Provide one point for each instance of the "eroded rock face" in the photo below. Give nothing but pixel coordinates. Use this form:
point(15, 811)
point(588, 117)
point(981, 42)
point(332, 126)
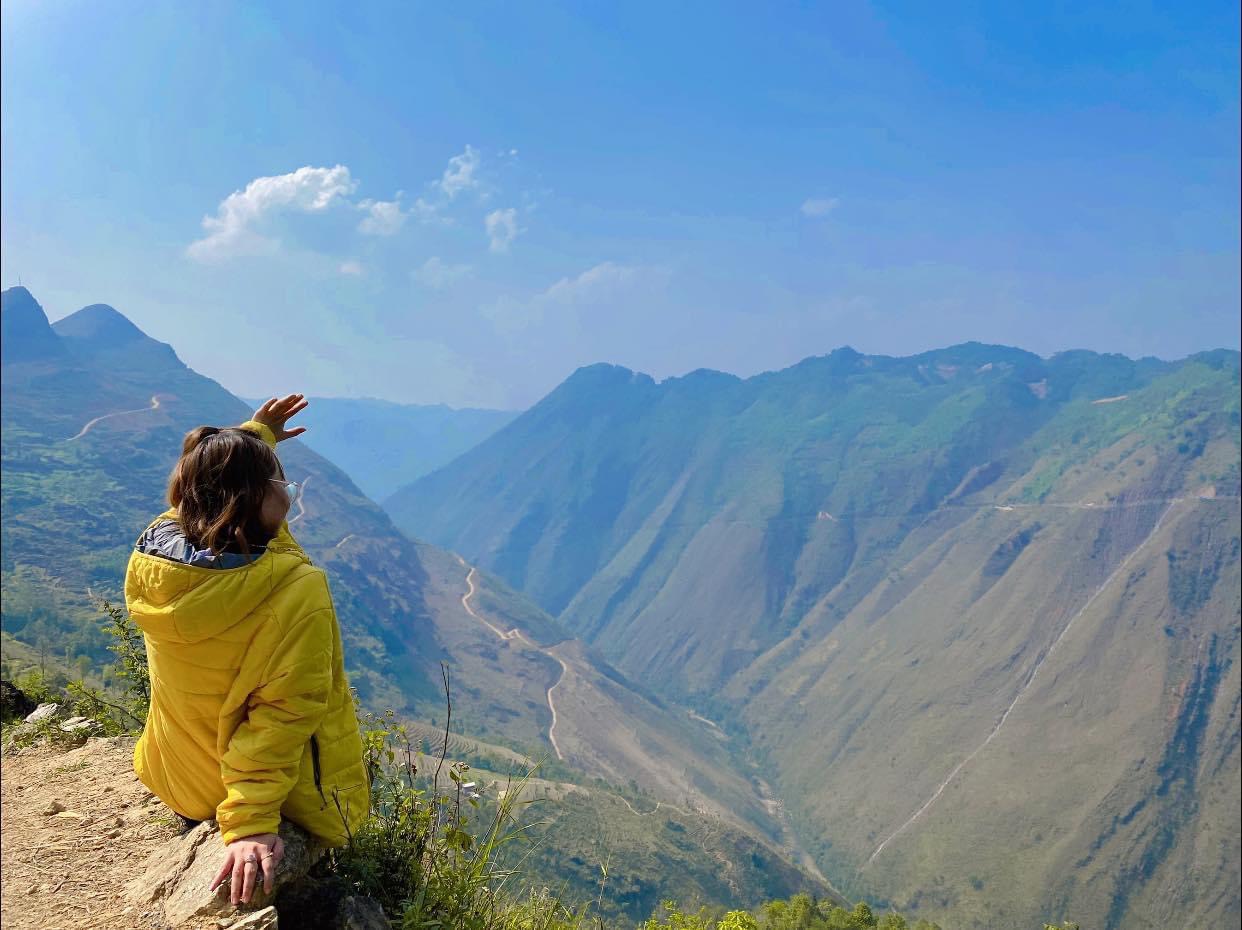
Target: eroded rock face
point(265, 919)
point(82, 726)
point(176, 876)
point(45, 712)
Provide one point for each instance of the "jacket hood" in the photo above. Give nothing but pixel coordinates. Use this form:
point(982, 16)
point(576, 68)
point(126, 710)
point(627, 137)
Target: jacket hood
point(178, 594)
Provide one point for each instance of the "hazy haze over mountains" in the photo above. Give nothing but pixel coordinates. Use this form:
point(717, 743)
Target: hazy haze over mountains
point(978, 609)
point(382, 445)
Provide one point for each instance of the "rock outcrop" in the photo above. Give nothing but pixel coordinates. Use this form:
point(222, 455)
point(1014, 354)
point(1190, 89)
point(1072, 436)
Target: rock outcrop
point(46, 717)
point(177, 874)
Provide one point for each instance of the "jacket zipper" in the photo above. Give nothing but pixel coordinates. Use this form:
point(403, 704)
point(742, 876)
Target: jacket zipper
point(314, 746)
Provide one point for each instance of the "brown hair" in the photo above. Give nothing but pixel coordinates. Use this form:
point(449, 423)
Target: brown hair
point(218, 487)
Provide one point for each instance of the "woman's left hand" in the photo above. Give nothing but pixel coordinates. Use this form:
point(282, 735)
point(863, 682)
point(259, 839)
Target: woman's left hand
point(247, 858)
point(277, 411)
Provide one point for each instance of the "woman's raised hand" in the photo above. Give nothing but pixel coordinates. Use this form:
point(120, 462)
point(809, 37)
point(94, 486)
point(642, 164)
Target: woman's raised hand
point(278, 411)
point(247, 858)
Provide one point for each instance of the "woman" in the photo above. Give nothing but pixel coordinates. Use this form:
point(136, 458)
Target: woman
point(251, 714)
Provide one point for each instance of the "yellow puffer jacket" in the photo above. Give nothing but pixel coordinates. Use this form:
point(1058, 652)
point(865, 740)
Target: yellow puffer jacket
point(251, 714)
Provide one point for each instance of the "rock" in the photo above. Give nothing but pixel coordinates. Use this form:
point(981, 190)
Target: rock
point(14, 702)
point(178, 872)
point(81, 726)
point(358, 913)
point(54, 807)
point(45, 712)
point(259, 920)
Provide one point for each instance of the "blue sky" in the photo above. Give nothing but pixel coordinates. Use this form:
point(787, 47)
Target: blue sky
point(431, 204)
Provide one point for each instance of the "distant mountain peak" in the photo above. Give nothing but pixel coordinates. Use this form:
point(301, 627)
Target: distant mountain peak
point(604, 376)
point(104, 325)
point(101, 329)
point(27, 336)
point(17, 294)
point(601, 371)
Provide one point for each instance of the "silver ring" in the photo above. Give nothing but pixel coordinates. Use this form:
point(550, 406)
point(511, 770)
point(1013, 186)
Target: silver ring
point(252, 858)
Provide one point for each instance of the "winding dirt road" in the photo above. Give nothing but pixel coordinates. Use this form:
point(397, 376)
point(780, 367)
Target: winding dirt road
point(155, 405)
point(301, 505)
point(517, 634)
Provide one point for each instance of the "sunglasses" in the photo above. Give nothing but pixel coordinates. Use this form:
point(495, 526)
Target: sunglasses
point(291, 487)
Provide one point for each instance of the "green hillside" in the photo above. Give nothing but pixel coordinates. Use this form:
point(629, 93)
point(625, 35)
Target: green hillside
point(93, 416)
point(586, 835)
point(974, 607)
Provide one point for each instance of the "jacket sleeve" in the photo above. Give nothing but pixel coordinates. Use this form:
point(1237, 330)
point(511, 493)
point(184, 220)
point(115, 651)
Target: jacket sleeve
point(260, 430)
point(264, 756)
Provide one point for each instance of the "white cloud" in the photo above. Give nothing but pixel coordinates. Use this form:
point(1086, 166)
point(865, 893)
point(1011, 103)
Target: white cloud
point(459, 175)
point(251, 221)
point(232, 231)
point(502, 228)
point(426, 212)
point(384, 217)
point(351, 267)
point(818, 208)
point(603, 278)
point(600, 288)
point(438, 274)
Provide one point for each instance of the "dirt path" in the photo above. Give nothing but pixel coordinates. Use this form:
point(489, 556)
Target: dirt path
point(69, 869)
point(300, 504)
point(155, 405)
point(659, 804)
point(552, 707)
point(1026, 686)
point(517, 634)
point(711, 725)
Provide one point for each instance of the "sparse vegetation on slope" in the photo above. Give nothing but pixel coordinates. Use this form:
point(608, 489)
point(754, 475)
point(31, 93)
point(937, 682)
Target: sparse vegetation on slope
point(966, 554)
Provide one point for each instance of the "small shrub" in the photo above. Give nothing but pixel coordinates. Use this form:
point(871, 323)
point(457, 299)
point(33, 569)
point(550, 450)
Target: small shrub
point(430, 854)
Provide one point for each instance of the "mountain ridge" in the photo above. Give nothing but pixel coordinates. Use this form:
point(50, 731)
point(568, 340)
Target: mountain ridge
point(915, 550)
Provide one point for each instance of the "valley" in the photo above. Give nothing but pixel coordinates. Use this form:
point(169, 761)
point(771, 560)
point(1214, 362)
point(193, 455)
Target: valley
point(519, 679)
point(950, 602)
point(904, 629)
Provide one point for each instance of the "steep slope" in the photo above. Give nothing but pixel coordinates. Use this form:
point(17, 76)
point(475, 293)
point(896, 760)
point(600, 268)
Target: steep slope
point(88, 439)
point(944, 595)
point(1060, 728)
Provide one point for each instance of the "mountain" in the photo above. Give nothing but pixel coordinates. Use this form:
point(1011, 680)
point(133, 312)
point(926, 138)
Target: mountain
point(383, 445)
point(26, 334)
point(92, 419)
point(977, 609)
